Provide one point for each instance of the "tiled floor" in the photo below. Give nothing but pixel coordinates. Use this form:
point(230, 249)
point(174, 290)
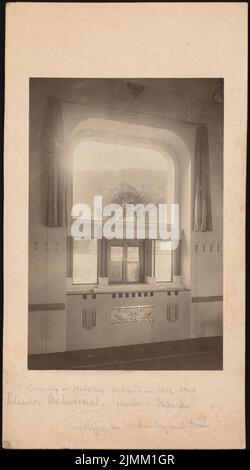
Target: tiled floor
point(192, 354)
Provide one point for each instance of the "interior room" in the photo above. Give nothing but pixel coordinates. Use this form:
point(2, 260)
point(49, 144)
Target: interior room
point(126, 303)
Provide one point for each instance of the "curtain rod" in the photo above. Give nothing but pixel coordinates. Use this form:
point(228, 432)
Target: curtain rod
point(118, 110)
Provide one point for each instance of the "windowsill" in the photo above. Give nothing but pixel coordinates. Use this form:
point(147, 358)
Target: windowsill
point(113, 288)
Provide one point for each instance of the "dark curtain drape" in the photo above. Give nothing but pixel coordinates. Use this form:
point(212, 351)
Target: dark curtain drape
point(202, 215)
point(55, 184)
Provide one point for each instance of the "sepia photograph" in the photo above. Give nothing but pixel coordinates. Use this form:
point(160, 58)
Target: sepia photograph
point(125, 223)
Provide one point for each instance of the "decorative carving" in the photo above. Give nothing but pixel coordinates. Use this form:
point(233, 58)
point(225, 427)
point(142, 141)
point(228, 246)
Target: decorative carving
point(128, 314)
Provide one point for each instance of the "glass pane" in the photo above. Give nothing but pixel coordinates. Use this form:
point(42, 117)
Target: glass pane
point(116, 253)
point(84, 262)
point(133, 253)
point(133, 272)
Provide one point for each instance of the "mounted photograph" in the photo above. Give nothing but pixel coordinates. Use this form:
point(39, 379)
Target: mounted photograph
point(125, 224)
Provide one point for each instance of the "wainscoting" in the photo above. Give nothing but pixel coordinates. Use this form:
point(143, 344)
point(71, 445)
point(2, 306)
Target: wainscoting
point(192, 354)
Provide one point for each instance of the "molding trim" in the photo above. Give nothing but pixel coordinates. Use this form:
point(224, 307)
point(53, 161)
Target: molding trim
point(211, 298)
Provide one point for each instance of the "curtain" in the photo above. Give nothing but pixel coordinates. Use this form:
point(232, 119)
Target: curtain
point(55, 183)
point(202, 215)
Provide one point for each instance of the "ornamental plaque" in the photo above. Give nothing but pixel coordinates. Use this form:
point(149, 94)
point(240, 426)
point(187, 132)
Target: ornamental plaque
point(128, 314)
